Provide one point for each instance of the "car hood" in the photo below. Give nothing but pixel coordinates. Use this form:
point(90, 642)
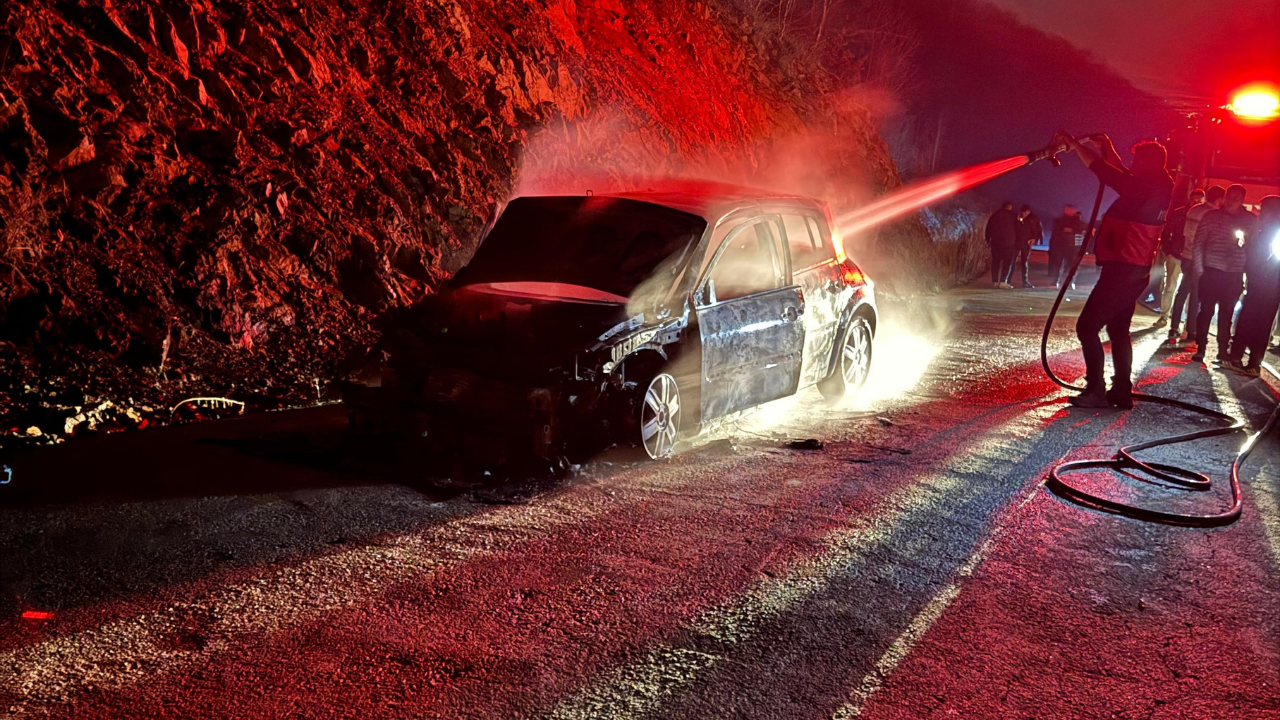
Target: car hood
point(493, 331)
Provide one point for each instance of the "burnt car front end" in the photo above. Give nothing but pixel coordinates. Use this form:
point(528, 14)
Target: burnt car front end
point(521, 355)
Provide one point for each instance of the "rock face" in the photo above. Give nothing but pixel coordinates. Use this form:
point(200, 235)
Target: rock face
point(216, 196)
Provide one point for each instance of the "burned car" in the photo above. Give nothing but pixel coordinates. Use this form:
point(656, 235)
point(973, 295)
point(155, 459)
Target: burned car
point(588, 321)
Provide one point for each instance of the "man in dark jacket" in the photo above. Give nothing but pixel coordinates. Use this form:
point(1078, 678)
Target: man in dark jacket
point(1002, 236)
point(1030, 232)
point(1219, 246)
point(1262, 300)
point(1062, 243)
point(1126, 247)
point(1172, 240)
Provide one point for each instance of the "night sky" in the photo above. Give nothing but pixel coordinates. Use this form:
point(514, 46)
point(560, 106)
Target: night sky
point(1177, 49)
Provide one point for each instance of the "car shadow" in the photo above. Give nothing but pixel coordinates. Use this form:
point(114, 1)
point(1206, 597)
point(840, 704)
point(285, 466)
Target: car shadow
point(192, 460)
point(275, 452)
point(120, 517)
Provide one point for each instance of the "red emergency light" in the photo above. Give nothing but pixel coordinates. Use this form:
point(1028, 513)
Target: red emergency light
point(1255, 103)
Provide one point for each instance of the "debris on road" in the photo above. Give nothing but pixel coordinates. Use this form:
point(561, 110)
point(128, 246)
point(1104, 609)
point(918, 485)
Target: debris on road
point(807, 444)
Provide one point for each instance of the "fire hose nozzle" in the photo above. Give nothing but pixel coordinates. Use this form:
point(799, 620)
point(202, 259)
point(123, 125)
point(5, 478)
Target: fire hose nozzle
point(1050, 152)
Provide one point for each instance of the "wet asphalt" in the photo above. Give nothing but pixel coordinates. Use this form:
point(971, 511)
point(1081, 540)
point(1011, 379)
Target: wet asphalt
point(912, 567)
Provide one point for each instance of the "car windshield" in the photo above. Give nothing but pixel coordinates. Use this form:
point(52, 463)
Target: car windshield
point(609, 244)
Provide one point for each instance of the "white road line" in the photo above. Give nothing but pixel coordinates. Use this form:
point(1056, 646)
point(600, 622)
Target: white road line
point(1267, 505)
point(932, 611)
point(641, 688)
point(920, 624)
point(131, 650)
point(140, 648)
point(938, 604)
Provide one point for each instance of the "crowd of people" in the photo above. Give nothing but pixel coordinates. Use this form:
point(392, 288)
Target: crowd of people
point(1213, 249)
point(1011, 236)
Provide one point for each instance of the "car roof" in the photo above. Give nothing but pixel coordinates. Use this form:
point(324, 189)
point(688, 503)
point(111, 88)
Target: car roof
point(711, 201)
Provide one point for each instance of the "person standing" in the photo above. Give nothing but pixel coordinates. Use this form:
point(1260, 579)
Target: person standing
point(1220, 252)
point(1172, 241)
point(1002, 236)
point(1030, 232)
point(1125, 248)
point(1262, 299)
point(1062, 243)
point(1189, 291)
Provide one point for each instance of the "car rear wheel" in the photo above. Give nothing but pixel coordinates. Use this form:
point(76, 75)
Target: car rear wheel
point(660, 416)
point(853, 364)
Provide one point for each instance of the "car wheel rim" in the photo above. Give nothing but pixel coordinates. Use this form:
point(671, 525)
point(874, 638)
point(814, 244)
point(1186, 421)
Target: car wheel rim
point(660, 416)
point(857, 356)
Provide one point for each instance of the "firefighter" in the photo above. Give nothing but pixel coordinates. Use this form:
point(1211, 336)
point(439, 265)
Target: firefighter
point(1062, 243)
point(1262, 300)
point(1189, 290)
point(1220, 254)
point(1172, 241)
point(1125, 249)
point(1030, 232)
point(1002, 236)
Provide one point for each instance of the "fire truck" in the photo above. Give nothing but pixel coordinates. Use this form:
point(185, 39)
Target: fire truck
point(1236, 143)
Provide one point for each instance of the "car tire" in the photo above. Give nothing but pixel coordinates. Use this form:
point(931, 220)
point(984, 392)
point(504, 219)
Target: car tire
point(853, 361)
point(658, 416)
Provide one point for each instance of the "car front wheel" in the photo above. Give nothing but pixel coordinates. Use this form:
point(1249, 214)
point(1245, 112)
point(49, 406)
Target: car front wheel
point(660, 416)
point(853, 364)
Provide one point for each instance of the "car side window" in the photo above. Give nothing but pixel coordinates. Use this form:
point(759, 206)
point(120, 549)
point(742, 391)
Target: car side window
point(823, 249)
point(805, 246)
point(749, 262)
point(807, 240)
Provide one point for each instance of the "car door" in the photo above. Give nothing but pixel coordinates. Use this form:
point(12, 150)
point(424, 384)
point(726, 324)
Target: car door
point(750, 320)
point(813, 269)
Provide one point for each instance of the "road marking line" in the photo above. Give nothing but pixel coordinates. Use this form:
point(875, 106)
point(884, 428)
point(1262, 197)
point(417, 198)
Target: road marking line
point(1265, 502)
point(738, 622)
point(618, 696)
point(935, 607)
point(920, 624)
point(130, 650)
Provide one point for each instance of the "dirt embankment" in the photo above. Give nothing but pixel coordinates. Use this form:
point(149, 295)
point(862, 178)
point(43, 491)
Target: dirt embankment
point(217, 196)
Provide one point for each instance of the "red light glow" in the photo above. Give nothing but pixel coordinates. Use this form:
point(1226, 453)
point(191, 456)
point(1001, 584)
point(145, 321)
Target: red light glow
point(1255, 102)
point(36, 615)
point(849, 273)
point(917, 195)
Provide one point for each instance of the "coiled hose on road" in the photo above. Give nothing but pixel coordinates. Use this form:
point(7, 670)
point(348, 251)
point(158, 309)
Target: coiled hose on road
point(1124, 460)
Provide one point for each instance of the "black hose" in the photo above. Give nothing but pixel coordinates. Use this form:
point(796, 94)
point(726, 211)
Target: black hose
point(1124, 459)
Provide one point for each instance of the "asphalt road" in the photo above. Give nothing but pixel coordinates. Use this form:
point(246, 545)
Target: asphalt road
point(913, 567)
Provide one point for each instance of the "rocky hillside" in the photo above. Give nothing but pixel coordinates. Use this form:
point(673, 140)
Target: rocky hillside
point(217, 196)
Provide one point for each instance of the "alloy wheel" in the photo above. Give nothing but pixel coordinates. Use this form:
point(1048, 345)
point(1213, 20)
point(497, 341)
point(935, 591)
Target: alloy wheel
point(660, 416)
point(855, 360)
